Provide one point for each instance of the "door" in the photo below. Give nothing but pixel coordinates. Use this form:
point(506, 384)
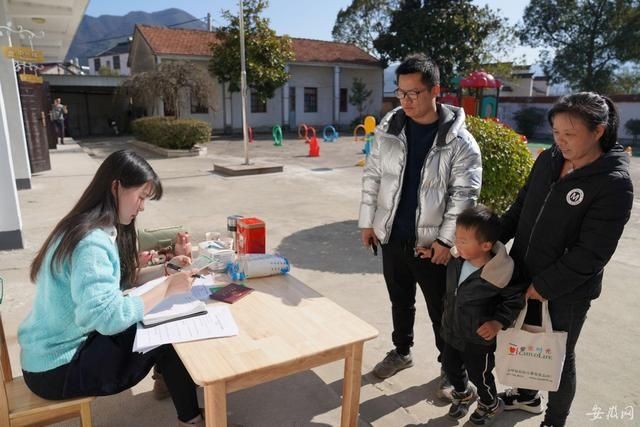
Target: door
point(34, 97)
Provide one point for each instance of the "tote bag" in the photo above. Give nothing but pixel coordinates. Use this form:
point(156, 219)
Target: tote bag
point(531, 357)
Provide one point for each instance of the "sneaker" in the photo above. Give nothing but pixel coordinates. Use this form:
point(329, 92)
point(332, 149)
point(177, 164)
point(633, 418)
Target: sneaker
point(160, 390)
point(461, 402)
point(392, 364)
point(445, 389)
point(512, 400)
point(485, 415)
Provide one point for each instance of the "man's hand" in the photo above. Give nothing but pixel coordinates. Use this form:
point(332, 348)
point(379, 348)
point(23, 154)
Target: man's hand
point(424, 253)
point(441, 254)
point(489, 329)
point(533, 294)
point(369, 237)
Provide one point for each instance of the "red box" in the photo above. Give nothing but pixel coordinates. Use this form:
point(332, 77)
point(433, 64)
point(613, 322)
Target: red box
point(251, 236)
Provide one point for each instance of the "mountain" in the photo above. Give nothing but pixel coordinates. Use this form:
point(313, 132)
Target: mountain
point(92, 33)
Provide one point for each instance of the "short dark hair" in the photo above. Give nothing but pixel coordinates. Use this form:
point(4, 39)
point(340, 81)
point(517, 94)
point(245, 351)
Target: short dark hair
point(420, 63)
point(485, 222)
point(593, 109)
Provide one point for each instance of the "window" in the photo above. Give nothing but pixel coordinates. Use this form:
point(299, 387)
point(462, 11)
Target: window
point(198, 106)
point(96, 64)
point(310, 99)
point(343, 100)
point(292, 99)
point(257, 105)
point(116, 62)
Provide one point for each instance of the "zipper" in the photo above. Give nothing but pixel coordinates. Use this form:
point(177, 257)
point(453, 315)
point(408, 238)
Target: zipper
point(396, 196)
point(426, 160)
point(544, 203)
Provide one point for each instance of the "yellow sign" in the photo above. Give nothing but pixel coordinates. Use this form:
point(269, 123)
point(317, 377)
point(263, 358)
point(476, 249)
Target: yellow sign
point(30, 78)
point(23, 54)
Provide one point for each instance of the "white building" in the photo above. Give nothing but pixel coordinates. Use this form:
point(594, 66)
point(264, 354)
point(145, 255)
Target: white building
point(115, 58)
point(18, 159)
point(316, 94)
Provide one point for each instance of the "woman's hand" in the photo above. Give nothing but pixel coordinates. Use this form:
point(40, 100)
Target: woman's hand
point(181, 261)
point(533, 294)
point(178, 283)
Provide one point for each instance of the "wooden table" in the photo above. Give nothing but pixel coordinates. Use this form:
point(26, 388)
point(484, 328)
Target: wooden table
point(285, 327)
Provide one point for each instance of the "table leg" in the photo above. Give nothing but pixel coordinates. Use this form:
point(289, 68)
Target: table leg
point(215, 404)
point(351, 385)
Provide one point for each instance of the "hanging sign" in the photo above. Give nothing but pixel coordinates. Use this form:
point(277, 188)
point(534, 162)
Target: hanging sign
point(30, 78)
point(23, 54)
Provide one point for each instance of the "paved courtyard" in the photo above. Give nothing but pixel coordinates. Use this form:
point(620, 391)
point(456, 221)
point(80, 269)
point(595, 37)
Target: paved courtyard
point(311, 214)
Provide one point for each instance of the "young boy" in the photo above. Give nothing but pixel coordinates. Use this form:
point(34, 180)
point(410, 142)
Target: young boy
point(478, 303)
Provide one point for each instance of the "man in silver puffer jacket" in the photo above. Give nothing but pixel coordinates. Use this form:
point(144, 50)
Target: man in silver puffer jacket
point(424, 168)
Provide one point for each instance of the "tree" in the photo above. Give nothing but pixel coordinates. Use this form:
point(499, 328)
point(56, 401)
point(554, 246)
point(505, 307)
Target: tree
point(171, 81)
point(362, 22)
point(108, 72)
point(266, 54)
point(590, 37)
point(633, 127)
point(453, 33)
point(627, 81)
point(359, 95)
point(528, 119)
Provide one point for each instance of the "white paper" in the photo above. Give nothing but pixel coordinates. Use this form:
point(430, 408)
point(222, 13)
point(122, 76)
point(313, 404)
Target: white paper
point(218, 322)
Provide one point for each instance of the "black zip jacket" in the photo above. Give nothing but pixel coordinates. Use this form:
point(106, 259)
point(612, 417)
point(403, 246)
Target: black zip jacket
point(565, 230)
point(486, 294)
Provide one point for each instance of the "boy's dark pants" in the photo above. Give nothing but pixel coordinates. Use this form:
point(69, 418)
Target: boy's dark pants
point(402, 270)
point(479, 369)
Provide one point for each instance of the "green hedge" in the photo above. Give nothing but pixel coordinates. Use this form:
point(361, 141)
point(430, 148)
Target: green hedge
point(506, 161)
point(168, 132)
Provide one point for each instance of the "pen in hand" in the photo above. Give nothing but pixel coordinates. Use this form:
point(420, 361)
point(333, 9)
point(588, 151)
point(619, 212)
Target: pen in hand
point(178, 268)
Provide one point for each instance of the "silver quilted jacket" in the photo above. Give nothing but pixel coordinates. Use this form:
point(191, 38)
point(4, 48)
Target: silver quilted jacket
point(450, 179)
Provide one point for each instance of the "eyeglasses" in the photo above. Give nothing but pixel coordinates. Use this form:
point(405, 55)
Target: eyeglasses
point(411, 94)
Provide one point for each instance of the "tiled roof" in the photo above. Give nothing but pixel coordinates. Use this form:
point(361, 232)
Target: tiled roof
point(122, 47)
point(178, 41)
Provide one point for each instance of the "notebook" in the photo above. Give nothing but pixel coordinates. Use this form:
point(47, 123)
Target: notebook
point(231, 293)
point(172, 308)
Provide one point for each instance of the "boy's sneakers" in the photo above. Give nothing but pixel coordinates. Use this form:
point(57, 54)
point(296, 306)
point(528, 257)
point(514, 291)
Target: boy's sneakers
point(391, 364)
point(485, 415)
point(445, 389)
point(512, 400)
point(461, 402)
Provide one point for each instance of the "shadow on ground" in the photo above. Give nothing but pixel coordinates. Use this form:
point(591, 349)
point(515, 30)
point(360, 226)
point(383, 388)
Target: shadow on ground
point(334, 248)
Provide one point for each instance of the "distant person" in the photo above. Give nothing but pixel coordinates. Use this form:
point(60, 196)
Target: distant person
point(480, 301)
point(423, 170)
point(58, 112)
point(566, 223)
point(77, 340)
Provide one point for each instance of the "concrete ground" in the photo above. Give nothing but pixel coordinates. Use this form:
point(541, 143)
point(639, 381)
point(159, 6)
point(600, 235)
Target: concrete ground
point(311, 215)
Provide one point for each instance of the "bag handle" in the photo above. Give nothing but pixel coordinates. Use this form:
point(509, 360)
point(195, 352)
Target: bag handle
point(546, 317)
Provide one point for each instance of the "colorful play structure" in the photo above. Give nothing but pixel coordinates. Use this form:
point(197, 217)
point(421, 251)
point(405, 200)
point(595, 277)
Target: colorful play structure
point(309, 135)
point(332, 134)
point(276, 133)
point(477, 94)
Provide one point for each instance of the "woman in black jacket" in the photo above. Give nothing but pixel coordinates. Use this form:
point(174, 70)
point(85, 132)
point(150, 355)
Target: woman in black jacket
point(566, 223)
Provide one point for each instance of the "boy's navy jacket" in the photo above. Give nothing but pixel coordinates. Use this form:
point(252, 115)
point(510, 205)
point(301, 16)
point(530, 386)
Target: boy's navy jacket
point(485, 295)
point(566, 229)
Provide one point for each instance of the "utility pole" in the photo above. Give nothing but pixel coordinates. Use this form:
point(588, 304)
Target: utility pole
point(209, 25)
point(243, 87)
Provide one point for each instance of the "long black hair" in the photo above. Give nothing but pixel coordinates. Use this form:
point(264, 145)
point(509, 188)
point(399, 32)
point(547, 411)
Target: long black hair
point(97, 208)
point(593, 109)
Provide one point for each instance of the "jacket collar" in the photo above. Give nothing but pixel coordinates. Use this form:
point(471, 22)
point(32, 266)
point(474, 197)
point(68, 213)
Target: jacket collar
point(450, 121)
point(499, 269)
point(613, 160)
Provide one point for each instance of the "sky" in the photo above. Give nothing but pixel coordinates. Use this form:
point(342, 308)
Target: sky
point(298, 18)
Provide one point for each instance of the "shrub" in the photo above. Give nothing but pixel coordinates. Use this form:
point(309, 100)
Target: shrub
point(506, 162)
point(633, 127)
point(168, 132)
point(528, 119)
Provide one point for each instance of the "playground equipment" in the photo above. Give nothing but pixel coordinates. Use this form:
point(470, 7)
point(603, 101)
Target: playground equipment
point(276, 132)
point(369, 127)
point(333, 135)
point(314, 147)
point(474, 99)
point(355, 134)
point(303, 132)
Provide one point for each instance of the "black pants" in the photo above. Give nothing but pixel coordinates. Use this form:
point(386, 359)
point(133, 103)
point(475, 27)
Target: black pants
point(568, 317)
point(59, 125)
point(402, 270)
point(106, 365)
point(461, 366)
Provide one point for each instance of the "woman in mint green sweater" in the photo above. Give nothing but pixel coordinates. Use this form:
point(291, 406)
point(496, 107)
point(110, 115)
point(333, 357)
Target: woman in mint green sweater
point(77, 340)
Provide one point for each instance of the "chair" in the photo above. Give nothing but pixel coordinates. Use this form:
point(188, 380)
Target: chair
point(20, 407)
